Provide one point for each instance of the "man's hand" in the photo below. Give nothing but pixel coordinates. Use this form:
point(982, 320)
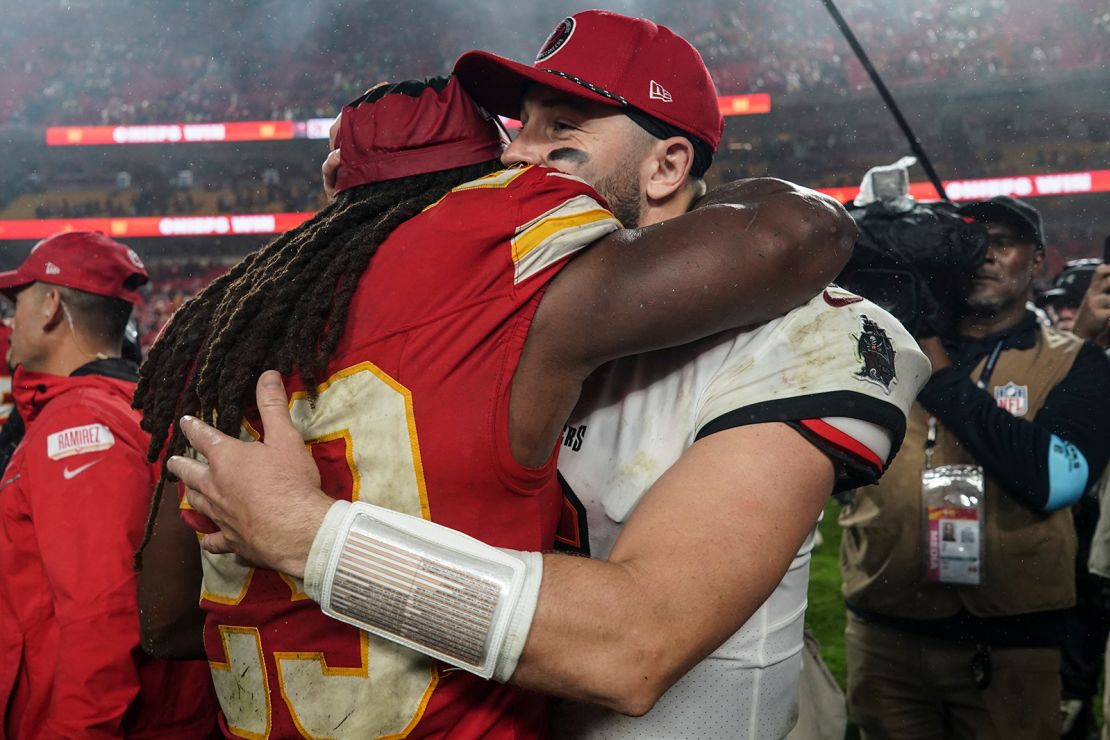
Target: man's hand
point(264, 496)
point(330, 171)
point(330, 168)
point(1093, 320)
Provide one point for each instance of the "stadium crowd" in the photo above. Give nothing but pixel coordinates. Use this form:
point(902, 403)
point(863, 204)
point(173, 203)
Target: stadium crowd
point(282, 60)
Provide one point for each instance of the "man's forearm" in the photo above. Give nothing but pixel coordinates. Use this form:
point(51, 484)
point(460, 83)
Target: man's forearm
point(826, 233)
point(618, 632)
point(171, 621)
point(596, 637)
point(596, 631)
point(694, 275)
point(1015, 451)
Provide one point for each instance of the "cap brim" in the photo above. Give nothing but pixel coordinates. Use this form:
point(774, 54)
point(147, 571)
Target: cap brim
point(998, 212)
point(11, 280)
point(1059, 297)
point(1054, 293)
point(498, 84)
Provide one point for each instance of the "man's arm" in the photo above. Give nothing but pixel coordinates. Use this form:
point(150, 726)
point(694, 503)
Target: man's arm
point(617, 633)
point(170, 618)
point(1045, 463)
point(87, 523)
point(621, 632)
point(749, 252)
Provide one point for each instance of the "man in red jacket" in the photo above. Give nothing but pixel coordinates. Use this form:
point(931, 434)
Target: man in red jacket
point(73, 501)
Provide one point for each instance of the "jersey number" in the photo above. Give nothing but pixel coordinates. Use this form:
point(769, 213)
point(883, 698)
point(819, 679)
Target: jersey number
point(370, 414)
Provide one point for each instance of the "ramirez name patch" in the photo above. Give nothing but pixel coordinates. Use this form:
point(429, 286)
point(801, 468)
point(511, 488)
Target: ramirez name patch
point(79, 440)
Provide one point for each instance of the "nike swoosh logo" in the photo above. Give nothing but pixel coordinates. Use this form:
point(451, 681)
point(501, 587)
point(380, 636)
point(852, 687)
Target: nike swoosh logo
point(71, 474)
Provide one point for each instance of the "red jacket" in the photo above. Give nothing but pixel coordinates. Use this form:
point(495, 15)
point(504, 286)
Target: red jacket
point(73, 502)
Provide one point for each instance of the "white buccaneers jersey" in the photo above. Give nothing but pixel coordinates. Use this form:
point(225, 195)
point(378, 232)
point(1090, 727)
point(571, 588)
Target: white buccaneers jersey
point(841, 371)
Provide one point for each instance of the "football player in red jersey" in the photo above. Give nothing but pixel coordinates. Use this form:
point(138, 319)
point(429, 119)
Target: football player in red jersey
point(431, 391)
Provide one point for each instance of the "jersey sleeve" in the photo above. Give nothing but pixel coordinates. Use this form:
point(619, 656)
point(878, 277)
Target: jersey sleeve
point(557, 215)
point(840, 370)
point(91, 490)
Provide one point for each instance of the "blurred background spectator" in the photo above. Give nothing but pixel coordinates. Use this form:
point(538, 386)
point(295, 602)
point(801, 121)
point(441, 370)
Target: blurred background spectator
point(212, 60)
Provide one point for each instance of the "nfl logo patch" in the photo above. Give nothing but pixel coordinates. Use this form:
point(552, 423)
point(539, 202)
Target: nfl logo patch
point(1012, 397)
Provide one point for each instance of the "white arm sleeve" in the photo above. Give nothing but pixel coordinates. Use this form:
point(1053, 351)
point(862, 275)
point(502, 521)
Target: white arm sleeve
point(422, 585)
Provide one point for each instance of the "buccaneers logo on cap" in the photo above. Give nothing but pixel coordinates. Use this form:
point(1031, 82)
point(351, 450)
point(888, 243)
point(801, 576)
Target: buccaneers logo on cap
point(877, 352)
point(131, 255)
point(558, 37)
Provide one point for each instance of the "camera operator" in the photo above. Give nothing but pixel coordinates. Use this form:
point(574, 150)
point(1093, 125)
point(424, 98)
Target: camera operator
point(958, 567)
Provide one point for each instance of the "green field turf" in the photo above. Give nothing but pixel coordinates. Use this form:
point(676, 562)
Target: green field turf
point(825, 614)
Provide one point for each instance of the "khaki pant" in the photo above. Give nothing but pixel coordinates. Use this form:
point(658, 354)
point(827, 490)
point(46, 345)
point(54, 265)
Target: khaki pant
point(906, 687)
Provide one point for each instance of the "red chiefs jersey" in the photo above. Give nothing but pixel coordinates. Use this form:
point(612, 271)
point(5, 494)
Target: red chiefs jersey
point(414, 417)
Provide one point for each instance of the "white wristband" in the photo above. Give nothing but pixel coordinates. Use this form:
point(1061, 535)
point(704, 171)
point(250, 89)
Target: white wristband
point(316, 569)
point(425, 586)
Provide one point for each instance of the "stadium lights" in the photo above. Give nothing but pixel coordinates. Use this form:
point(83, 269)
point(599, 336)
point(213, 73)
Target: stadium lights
point(1022, 186)
point(313, 128)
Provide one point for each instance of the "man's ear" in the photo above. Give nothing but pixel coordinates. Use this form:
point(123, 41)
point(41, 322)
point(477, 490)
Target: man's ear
point(1038, 260)
point(51, 311)
point(671, 162)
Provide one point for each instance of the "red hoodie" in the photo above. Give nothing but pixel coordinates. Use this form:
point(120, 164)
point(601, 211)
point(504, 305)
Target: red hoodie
point(73, 501)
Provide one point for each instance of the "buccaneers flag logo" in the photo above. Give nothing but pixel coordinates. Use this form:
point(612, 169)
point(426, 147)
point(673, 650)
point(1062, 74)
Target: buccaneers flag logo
point(877, 353)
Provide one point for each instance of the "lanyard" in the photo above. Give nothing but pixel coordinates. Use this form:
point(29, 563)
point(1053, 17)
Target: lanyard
point(983, 382)
point(988, 369)
point(930, 441)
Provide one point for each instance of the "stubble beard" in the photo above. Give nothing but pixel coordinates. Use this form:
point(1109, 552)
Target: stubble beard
point(984, 305)
point(621, 188)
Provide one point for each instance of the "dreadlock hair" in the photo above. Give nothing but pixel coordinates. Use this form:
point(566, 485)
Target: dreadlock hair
point(282, 307)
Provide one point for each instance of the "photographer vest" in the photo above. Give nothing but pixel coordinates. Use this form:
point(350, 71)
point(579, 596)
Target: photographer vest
point(1027, 557)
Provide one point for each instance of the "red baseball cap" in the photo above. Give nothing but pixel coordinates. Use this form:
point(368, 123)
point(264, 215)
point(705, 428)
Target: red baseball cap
point(411, 128)
point(82, 260)
point(608, 58)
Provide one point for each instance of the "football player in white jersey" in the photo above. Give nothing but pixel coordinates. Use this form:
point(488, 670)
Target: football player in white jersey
point(840, 372)
point(700, 471)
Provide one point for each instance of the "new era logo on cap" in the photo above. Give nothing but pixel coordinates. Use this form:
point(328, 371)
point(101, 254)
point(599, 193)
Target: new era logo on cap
point(83, 260)
point(658, 92)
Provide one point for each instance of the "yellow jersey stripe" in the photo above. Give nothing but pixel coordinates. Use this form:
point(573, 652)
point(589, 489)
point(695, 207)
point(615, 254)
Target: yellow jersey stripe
point(554, 238)
point(499, 179)
point(538, 234)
